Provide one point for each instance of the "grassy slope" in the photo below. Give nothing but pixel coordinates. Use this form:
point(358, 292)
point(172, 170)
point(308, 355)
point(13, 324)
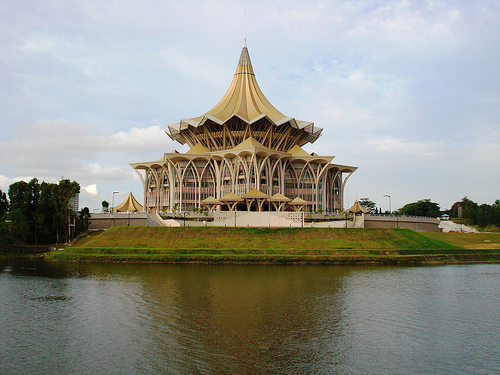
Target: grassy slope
point(469, 240)
point(265, 244)
point(166, 239)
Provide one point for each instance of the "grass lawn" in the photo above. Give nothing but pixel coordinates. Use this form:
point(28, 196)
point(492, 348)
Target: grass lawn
point(476, 241)
point(288, 239)
point(309, 245)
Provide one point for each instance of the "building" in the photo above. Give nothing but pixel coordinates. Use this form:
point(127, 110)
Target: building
point(74, 202)
point(244, 155)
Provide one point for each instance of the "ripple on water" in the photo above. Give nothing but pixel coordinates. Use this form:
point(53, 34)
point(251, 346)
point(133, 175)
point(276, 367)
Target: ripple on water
point(139, 319)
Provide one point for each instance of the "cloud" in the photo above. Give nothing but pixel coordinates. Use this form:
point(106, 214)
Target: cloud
point(140, 140)
point(395, 146)
point(91, 189)
point(61, 145)
point(5, 181)
point(407, 91)
point(55, 149)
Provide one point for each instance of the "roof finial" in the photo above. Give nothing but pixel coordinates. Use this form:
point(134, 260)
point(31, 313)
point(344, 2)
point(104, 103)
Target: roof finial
point(245, 31)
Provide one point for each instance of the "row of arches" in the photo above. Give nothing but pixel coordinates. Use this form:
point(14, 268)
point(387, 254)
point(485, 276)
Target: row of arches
point(181, 184)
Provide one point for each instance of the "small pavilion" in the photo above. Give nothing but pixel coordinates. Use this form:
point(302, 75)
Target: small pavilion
point(357, 208)
point(130, 204)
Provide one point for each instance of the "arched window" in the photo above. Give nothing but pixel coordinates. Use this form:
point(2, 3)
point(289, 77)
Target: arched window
point(151, 191)
point(227, 179)
point(189, 188)
point(207, 187)
point(240, 183)
point(291, 186)
point(252, 177)
point(307, 186)
point(165, 191)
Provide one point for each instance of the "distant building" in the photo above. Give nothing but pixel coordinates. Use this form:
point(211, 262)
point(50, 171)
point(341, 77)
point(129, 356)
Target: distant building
point(74, 203)
point(244, 155)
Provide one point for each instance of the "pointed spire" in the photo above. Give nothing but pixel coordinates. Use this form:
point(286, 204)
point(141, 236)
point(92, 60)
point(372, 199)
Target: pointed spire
point(245, 31)
point(245, 57)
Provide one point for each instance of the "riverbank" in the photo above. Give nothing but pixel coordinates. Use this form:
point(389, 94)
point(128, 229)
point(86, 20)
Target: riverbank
point(277, 246)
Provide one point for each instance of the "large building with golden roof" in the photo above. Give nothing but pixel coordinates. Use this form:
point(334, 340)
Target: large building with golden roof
point(244, 155)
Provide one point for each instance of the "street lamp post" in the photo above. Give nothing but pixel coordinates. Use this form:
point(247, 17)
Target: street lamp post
point(113, 208)
point(390, 208)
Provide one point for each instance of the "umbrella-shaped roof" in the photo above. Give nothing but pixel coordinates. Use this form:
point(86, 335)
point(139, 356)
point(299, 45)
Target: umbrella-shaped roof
point(231, 197)
point(211, 201)
point(254, 193)
point(357, 208)
point(129, 204)
point(297, 202)
point(244, 101)
point(279, 198)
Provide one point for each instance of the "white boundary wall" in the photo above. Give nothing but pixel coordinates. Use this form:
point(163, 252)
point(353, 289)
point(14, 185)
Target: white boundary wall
point(258, 219)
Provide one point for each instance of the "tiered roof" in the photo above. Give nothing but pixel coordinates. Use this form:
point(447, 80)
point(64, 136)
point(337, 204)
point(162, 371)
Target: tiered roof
point(243, 103)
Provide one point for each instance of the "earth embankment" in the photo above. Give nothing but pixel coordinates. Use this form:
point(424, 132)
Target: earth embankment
point(272, 245)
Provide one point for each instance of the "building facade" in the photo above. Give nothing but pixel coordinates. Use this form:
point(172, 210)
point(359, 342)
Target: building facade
point(244, 155)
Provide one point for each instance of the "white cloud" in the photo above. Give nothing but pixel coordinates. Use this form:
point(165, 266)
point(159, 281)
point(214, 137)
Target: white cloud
point(51, 150)
point(91, 189)
point(5, 181)
point(395, 146)
point(138, 140)
point(407, 91)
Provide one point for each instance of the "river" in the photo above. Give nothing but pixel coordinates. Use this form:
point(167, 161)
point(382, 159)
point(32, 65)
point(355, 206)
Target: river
point(78, 318)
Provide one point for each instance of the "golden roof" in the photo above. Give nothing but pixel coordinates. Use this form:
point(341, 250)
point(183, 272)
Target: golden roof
point(297, 201)
point(249, 142)
point(198, 149)
point(358, 208)
point(231, 197)
point(298, 151)
point(211, 201)
point(245, 100)
point(254, 193)
point(279, 198)
point(129, 204)
point(244, 97)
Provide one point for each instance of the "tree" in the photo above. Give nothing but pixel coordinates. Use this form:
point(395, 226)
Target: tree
point(83, 220)
point(496, 213)
point(466, 209)
point(4, 228)
point(105, 206)
point(41, 212)
point(66, 191)
point(19, 225)
point(368, 204)
point(474, 214)
point(24, 197)
point(423, 207)
point(4, 205)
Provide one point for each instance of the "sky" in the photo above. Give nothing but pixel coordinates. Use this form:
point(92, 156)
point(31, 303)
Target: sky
point(408, 91)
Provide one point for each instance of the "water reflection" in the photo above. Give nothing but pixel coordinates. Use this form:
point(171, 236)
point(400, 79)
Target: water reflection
point(178, 319)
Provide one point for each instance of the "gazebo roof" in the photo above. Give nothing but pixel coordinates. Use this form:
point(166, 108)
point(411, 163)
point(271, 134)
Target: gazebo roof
point(358, 208)
point(211, 201)
point(298, 202)
point(254, 193)
point(231, 197)
point(279, 198)
point(129, 204)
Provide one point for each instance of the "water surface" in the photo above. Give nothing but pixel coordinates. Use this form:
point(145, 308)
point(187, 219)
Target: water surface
point(75, 318)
